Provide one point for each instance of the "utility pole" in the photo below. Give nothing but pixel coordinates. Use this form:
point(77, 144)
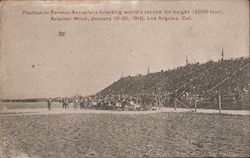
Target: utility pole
point(222, 54)
point(219, 103)
point(186, 60)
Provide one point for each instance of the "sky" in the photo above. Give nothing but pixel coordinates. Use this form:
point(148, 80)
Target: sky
point(36, 62)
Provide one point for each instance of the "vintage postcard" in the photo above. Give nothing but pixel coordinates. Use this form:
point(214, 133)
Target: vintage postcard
point(110, 78)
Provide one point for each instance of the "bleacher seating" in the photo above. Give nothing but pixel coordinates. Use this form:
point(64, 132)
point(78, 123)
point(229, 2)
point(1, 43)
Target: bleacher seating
point(224, 76)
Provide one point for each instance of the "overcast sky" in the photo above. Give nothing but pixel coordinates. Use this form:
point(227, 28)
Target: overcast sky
point(36, 62)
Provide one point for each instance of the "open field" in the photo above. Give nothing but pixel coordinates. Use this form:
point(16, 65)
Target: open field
point(42, 111)
point(26, 105)
point(208, 105)
point(10, 108)
point(113, 134)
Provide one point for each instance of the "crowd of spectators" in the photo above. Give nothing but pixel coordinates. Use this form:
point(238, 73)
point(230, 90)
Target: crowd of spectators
point(196, 82)
point(229, 78)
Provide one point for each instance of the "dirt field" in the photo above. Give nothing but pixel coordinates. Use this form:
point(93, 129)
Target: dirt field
point(41, 108)
point(27, 105)
point(110, 134)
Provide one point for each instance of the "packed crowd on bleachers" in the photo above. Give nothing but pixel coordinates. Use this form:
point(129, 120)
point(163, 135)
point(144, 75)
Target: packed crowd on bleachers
point(195, 78)
point(203, 82)
point(199, 83)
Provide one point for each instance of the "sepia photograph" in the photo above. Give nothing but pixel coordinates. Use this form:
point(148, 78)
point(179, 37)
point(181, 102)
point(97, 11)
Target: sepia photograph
point(133, 78)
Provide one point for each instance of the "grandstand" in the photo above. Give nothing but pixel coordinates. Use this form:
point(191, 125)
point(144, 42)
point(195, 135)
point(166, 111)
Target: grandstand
point(227, 78)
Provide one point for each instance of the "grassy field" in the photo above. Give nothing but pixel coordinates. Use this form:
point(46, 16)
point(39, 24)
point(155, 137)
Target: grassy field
point(27, 105)
point(95, 135)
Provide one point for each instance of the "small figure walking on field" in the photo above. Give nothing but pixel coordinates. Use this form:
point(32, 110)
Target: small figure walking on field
point(65, 103)
point(75, 104)
point(82, 104)
point(49, 104)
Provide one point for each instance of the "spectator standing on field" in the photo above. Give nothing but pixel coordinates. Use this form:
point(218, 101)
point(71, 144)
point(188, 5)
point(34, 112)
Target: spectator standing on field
point(49, 103)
